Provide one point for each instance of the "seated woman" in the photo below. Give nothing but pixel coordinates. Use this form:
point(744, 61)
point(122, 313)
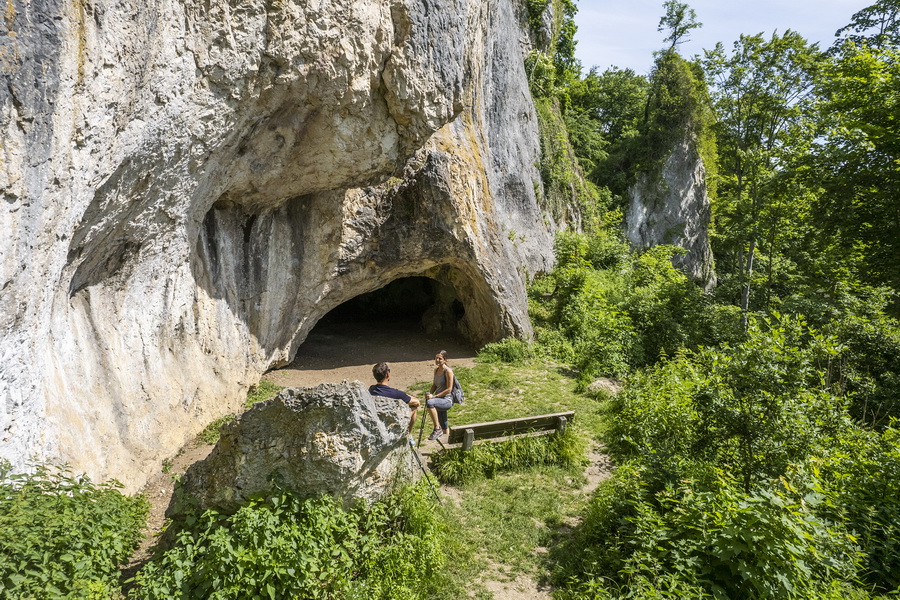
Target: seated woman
point(438, 400)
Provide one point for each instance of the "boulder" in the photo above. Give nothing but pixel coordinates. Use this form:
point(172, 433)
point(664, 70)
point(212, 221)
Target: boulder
point(335, 439)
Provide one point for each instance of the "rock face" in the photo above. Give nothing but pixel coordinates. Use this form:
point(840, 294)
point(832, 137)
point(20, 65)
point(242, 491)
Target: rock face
point(671, 207)
point(188, 187)
point(334, 439)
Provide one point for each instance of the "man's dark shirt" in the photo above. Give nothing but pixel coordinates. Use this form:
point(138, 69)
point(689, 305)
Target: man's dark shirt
point(379, 389)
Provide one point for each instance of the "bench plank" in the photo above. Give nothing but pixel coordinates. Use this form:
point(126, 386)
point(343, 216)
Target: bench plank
point(495, 429)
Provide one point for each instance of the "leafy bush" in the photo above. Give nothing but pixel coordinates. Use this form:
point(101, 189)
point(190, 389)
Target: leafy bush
point(509, 350)
point(62, 536)
point(455, 465)
point(288, 547)
point(710, 537)
point(753, 408)
point(859, 480)
point(611, 311)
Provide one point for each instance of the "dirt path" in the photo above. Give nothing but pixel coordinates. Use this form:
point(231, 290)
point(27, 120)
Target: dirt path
point(338, 351)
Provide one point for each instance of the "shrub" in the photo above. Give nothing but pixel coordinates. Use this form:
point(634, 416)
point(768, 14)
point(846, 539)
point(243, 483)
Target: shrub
point(510, 350)
point(708, 537)
point(288, 547)
point(859, 481)
point(618, 311)
point(753, 408)
point(62, 536)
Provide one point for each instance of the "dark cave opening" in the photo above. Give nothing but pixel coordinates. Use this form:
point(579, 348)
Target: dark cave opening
point(412, 302)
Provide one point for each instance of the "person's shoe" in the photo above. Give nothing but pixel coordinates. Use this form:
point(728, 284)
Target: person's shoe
point(435, 434)
point(412, 442)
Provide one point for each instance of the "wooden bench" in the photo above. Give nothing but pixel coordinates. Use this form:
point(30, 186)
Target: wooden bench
point(467, 434)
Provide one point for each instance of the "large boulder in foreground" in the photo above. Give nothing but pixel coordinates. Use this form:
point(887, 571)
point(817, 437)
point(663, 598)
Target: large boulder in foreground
point(335, 439)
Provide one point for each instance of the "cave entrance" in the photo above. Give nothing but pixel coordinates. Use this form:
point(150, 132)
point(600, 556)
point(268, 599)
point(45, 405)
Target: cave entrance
point(409, 302)
point(403, 323)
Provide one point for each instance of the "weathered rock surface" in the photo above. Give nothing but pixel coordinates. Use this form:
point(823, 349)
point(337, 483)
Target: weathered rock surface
point(188, 187)
point(334, 439)
point(672, 207)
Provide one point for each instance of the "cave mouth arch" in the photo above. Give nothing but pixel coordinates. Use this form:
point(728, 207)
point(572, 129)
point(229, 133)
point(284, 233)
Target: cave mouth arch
point(402, 323)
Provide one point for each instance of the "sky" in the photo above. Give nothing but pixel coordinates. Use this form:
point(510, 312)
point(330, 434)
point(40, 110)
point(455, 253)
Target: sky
point(623, 34)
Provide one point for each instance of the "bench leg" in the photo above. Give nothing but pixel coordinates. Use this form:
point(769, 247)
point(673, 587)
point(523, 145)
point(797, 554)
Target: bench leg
point(561, 424)
point(468, 439)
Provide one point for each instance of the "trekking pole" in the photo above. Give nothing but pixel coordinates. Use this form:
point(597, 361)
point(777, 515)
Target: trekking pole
point(425, 473)
point(422, 425)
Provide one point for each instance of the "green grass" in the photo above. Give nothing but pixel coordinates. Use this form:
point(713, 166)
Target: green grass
point(514, 517)
point(496, 391)
point(518, 512)
point(264, 390)
point(213, 431)
point(456, 466)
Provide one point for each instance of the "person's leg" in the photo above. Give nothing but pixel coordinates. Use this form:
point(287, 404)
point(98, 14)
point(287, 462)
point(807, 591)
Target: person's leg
point(432, 411)
point(412, 419)
point(439, 408)
point(434, 417)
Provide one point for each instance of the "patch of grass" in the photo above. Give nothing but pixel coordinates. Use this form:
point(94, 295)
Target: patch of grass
point(213, 431)
point(264, 390)
point(496, 391)
point(512, 516)
point(456, 466)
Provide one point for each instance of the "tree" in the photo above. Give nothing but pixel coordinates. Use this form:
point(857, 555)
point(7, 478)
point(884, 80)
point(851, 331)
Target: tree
point(875, 26)
point(759, 92)
point(857, 163)
point(679, 20)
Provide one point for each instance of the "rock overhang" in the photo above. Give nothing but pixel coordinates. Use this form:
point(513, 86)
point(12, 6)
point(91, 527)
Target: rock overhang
point(218, 179)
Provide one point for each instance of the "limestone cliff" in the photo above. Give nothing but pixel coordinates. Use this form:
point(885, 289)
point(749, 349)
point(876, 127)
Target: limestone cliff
point(672, 207)
point(188, 186)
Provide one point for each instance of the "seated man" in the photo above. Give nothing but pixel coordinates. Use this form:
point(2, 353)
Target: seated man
point(382, 374)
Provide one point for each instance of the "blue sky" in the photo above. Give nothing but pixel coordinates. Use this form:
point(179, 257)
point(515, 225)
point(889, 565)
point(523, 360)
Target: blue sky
point(612, 32)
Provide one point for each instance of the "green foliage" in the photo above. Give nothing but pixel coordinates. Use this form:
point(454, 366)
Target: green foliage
point(509, 350)
point(716, 539)
point(753, 408)
point(679, 20)
point(457, 466)
point(567, 196)
point(62, 536)
point(877, 26)
point(761, 93)
point(869, 366)
point(856, 164)
point(679, 107)
point(288, 547)
point(858, 482)
point(210, 435)
point(743, 476)
point(264, 390)
point(618, 311)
